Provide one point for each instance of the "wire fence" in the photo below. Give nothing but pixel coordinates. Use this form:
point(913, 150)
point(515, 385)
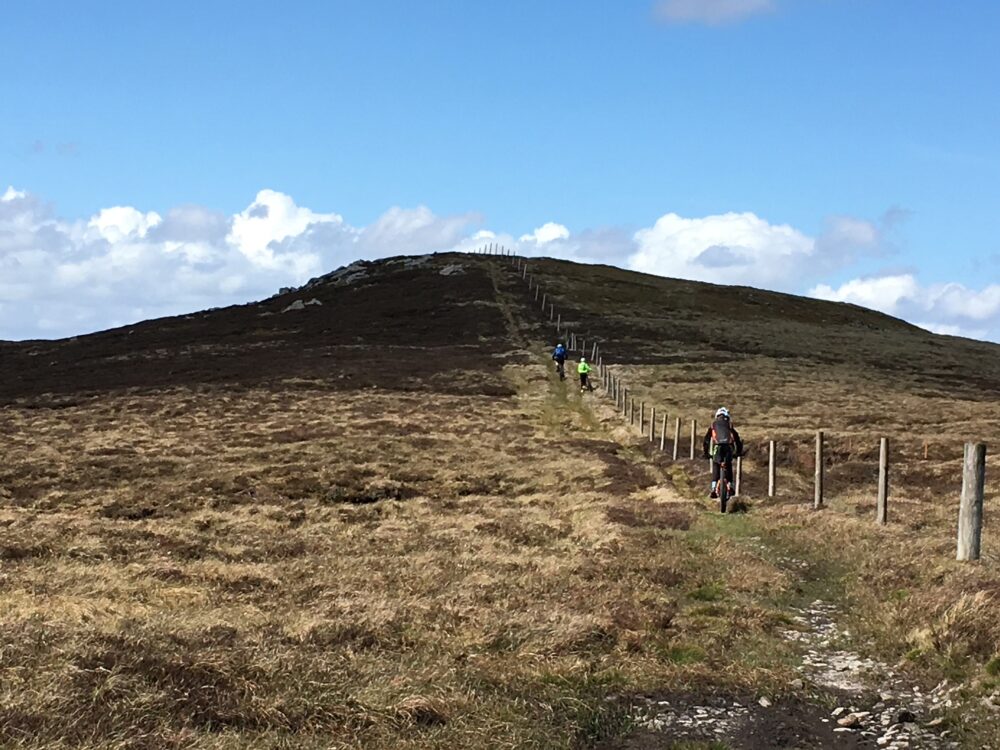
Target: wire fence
point(646, 417)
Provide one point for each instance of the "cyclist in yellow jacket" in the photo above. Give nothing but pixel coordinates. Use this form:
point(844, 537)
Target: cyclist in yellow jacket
point(583, 369)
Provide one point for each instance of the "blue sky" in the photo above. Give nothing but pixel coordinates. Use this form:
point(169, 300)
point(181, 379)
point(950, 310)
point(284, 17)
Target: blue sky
point(866, 127)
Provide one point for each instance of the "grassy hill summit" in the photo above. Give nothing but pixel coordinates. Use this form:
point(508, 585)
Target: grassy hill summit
point(366, 513)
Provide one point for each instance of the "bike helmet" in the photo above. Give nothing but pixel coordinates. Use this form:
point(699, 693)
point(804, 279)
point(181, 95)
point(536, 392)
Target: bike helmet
point(583, 359)
point(722, 412)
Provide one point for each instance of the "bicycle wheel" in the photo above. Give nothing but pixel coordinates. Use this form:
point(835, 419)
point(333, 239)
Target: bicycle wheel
point(723, 494)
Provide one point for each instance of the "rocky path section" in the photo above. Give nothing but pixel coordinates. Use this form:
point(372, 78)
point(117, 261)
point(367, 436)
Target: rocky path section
point(875, 705)
point(877, 708)
point(719, 723)
point(878, 704)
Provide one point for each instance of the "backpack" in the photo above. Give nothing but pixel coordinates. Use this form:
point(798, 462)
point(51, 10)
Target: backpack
point(722, 432)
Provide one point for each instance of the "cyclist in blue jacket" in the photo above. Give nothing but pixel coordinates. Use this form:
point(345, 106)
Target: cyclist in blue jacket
point(559, 356)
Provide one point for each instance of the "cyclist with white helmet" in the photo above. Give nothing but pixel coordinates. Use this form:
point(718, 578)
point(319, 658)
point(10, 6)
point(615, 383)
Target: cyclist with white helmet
point(723, 445)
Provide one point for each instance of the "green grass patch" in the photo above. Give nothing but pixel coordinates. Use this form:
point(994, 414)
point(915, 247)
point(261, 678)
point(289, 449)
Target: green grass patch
point(993, 667)
point(709, 592)
point(682, 654)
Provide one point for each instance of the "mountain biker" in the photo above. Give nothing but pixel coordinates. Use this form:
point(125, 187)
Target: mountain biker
point(583, 369)
point(559, 355)
point(722, 444)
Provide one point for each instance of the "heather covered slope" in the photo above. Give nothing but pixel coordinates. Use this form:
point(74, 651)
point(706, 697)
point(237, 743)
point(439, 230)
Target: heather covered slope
point(396, 323)
point(653, 320)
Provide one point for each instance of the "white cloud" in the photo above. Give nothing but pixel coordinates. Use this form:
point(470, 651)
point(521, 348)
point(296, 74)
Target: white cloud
point(884, 293)
point(271, 218)
point(942, 328)
point(733, 248)
point(60, 277)
point(712, 12)
point(122, 222)
point(546, 233)
point(403, 231)
point(959, 301)
point(745, 249)
point(954, 309)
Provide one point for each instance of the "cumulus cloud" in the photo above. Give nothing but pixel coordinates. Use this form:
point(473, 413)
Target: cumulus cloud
point(62, 277)
point(951, 308)
point(884, 293)
point(745, 249)
point(732, 248)
point(546, 233)
point(271, 218)
point(711, 12)
point(122, 222)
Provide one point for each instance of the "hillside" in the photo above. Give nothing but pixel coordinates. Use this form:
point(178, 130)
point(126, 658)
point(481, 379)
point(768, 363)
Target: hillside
point(360, 335)
point(366, 513)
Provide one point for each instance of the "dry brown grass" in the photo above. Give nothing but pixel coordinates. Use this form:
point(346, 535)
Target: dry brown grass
point(303, 568)
point(787, 367)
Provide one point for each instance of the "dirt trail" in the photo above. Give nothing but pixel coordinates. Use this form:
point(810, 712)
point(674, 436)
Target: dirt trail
point(874, 708)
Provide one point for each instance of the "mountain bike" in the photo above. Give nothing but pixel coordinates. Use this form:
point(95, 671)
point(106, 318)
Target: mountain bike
point(723, 487)
point(561, 369)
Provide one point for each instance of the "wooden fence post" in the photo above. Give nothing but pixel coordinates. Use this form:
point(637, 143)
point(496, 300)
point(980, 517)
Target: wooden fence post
point(536, 293)
point(739, 474)
point(694, 432)
point(559, 323)
point(552, 311)
point(663, 433)
point(818, 494)
point(642, 415)
point(544, 297)
point(677, 436)
point(652, 424)
point(771, 473)
point(970, 510)
point(882, 508)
